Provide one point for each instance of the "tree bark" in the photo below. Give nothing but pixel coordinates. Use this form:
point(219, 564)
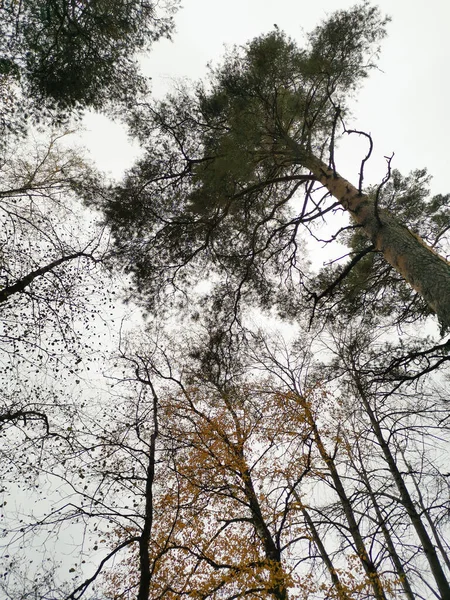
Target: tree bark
point(425, 270)
point(405, 497)
point(278, 588)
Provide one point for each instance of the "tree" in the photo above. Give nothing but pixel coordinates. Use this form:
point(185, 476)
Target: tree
point(263, 447)
point(189, 550)
point(44, 44)
point(363, 433)
point(224, 533)
point(49, 249)
point(351, 355)
point(52, 291)
point(227, 166)
point(96, 473)
point(367, 283)
point(247, 467)
point(229, 466)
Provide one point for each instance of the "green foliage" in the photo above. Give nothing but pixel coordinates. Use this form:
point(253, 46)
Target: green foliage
point(74, 55)
point(278, 87)
point(372, 286)
point(345, 45)
point(214, 192)
point(220, 464)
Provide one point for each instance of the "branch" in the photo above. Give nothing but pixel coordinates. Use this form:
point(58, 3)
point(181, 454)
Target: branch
point(338, 279)
point(83, 587)
point(337, 114)
point(24, 414)
point(21, 284)
point(364, 160)
point(383, 183)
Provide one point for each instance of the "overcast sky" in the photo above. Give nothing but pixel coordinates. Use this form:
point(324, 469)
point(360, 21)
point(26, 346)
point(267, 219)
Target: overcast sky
point(404, 105)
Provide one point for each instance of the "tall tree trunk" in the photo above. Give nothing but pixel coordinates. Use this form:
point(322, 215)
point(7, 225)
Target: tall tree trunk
point(342, 594)
point(426, 513)
point(368, 565)
point(425, 270)
point(396, 560)
point(278, 588)
point(145, 537)
point(405, 497)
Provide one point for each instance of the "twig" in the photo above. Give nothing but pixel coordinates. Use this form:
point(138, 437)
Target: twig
point(333, 133)
point(383, 183)
point(364, 160)
point(84, 586)
point(337, 281)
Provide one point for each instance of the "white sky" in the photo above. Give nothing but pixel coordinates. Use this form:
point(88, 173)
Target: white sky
point(404, 106)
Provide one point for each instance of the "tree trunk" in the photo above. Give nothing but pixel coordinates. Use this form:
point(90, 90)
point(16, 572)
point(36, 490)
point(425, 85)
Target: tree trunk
point(342, 594)
point(396, 560)
point(426, 514)
point(405, 497)
point(146, 534)
point(278, 589)
point(425, 270)
point(360, 547)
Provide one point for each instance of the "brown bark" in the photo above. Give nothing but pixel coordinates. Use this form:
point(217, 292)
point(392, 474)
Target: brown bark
point(425, 270)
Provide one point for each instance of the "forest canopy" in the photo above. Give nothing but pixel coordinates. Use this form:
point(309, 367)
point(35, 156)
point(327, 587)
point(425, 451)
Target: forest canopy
point(239, 167)
point(60, 56)
point(190, 406)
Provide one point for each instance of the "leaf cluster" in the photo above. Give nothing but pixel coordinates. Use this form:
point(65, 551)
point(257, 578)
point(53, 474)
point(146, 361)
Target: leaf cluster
point(59, 56)
point(222, 192)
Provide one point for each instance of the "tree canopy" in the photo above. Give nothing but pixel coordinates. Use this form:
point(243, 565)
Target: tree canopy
point(236, 169)
point(57, 55)
point(270, 429)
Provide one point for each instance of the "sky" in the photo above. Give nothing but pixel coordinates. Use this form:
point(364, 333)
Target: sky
point(404, 104)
